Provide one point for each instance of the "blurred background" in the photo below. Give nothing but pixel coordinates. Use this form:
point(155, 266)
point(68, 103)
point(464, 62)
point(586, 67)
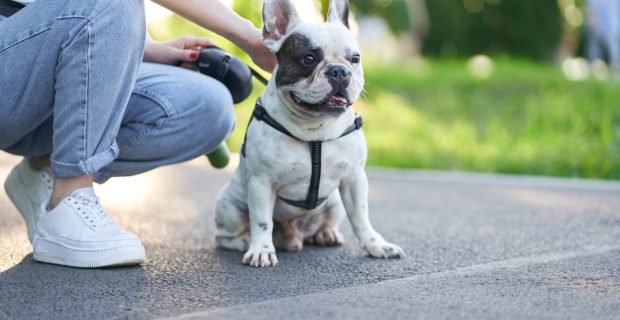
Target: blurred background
point(510, 86)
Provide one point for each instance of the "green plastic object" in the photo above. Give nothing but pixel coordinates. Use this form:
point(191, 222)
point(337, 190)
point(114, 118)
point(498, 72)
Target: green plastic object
point(219, 157)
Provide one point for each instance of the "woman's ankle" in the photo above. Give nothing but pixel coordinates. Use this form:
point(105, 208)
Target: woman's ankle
point(63, 187)
point(41, 162)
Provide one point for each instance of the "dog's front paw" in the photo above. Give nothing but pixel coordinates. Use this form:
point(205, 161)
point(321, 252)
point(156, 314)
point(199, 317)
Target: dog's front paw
point(379, 248)
point(260, 256)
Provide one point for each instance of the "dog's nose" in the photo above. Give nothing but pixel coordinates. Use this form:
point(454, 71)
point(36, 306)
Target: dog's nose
point(338, 74)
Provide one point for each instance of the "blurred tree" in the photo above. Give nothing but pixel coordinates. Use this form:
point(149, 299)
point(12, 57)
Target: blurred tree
point(395, 12)
point(400, 15)
point(525, 28)
point(408, 20)
point(251, 10)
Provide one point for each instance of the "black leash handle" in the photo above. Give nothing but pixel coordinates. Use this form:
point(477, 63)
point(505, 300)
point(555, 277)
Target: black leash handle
point(9, 8)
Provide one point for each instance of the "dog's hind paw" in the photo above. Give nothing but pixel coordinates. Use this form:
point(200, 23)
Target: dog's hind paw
point(328, 237)
point(260, 256)
point(240, 243)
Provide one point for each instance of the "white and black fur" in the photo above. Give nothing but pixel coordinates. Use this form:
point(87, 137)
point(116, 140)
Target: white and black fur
point(311, 97)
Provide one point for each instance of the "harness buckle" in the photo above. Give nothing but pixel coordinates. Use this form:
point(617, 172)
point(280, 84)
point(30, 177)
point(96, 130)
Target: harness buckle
point(358, 122)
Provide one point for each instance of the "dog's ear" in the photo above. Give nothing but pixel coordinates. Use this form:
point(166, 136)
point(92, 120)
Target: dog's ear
point(339, 11)
point(279, 18)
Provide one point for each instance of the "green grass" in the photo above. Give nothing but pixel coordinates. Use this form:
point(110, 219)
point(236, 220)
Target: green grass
point(525, 119)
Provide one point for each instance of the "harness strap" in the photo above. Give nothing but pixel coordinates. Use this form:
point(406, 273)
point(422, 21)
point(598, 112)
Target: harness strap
point(261, 115)
point(312, 198)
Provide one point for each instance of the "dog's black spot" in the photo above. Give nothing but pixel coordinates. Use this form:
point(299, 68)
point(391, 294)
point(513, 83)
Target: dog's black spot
point(263, 226)
point(290, 57)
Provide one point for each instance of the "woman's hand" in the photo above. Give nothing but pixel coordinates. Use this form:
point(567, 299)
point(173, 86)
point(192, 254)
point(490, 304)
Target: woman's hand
point(174, 51)
point(259, 52)
point(217, 17)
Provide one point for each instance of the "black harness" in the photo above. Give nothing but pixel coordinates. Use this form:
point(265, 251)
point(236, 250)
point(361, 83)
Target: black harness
point(312, 199)
point(8, 7)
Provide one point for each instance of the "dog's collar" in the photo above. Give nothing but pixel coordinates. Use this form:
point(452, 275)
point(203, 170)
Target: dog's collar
point(312, 199)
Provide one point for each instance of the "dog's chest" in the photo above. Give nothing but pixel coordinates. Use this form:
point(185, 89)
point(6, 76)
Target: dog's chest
point(288, 162)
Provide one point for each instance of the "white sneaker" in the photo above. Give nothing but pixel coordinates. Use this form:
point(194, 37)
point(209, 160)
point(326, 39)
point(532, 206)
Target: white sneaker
point(29, 190)
point(79, 233)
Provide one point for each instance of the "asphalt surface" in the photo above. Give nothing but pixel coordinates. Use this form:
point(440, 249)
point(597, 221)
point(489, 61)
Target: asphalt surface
point(478, 247)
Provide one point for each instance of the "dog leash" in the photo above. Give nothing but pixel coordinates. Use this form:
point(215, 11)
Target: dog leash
point(258, 76)
point(312, 198)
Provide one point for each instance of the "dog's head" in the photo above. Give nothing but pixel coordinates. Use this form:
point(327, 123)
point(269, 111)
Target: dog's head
point(319, 66)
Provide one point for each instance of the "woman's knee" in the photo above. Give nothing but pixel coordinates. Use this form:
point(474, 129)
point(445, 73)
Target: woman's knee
point(127, 10)
point(190, 109)
point(122, 22)
point(213, 117)
point(129, 15)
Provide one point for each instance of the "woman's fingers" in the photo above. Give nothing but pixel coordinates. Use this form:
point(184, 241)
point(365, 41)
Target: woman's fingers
point(264, 58)
point(260, 54)
point(188, 55)
point(185, 49)
point(195, 42)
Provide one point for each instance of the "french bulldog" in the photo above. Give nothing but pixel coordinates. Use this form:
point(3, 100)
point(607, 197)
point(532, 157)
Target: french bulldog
point(318, 78)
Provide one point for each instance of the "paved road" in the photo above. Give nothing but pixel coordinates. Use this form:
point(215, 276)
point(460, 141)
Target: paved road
point(479, 247)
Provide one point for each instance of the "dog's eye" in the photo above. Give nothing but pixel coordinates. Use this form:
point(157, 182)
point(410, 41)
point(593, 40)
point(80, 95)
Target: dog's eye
point(309, 60)
point(355, 58)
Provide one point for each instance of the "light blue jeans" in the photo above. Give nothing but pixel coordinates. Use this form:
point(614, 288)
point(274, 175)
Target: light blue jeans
point(73, 85)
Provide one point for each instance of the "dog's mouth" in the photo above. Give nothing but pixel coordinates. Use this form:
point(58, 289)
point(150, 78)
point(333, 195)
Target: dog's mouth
point(332, 103)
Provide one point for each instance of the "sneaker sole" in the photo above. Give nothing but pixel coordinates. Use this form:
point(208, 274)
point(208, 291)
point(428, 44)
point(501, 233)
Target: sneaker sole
point(54, 253)
point(20, 200)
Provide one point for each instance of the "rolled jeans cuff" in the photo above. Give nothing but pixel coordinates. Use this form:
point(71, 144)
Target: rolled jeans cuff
point(85, 167)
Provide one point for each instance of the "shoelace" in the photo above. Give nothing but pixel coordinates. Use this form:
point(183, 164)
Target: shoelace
point(90, 208)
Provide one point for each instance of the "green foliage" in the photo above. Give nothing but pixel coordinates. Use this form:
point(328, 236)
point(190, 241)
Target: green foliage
point(524, 28)
point(526, 119)
point(394, 12)
point(251, 10)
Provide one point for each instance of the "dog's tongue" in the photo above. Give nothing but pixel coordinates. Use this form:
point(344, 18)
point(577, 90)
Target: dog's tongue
point(337, 101)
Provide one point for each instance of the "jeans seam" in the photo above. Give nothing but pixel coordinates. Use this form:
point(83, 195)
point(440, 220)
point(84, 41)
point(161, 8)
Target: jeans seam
point(31, 79)
point(158, 99)
point(73, 17)
point(137, 138)
point(83, 147)
point(158, 124)
point(29, 35)
point(88, 90)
